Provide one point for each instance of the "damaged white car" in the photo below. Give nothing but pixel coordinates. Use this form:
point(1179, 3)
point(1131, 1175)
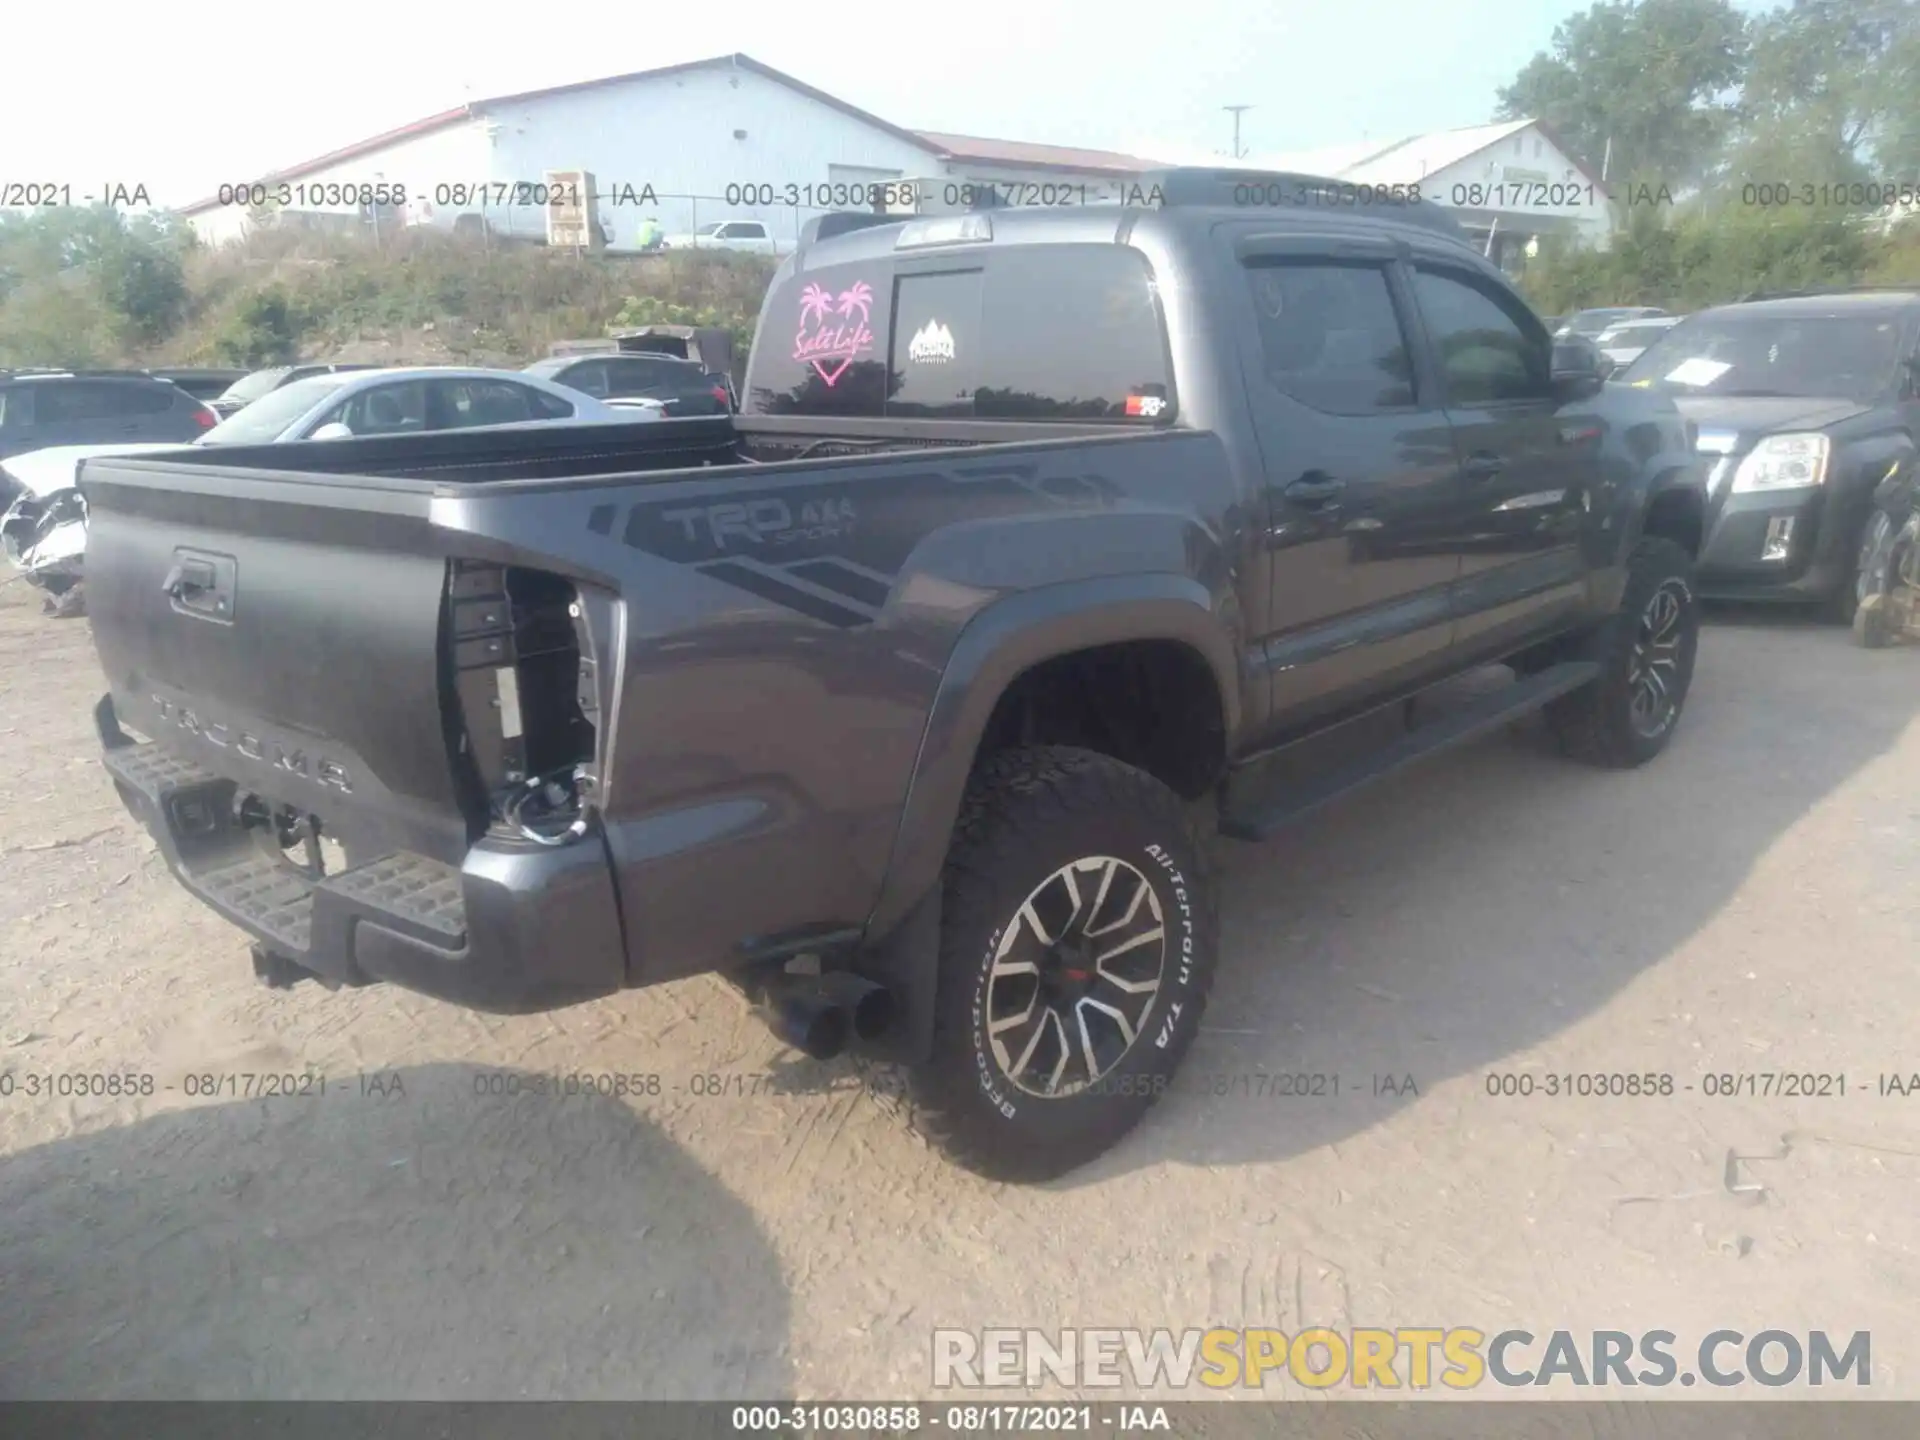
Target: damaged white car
point(45, 528)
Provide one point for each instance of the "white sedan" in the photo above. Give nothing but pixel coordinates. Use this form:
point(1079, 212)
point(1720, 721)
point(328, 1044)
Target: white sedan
point(44, 528)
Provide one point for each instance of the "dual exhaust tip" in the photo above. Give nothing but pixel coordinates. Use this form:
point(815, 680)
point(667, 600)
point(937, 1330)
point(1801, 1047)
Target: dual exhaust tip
point(821, 1014)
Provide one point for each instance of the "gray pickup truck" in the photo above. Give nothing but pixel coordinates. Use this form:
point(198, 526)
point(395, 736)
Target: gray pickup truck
point(897, 696)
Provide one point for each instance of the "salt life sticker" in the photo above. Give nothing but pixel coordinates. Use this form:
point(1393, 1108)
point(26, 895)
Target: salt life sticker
point(1697, 372)
point(833, 329)
point(1149, 407)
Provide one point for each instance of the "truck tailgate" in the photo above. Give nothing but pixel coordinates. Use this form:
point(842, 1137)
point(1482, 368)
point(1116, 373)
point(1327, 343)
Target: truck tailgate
point(283, 633)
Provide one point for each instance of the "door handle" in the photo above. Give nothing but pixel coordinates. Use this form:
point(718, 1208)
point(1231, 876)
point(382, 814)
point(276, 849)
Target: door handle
point(1483, 466)
point(188, 579)
point(1314, 491)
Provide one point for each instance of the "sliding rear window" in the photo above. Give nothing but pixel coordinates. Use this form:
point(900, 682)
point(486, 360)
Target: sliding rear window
point(1062, 333)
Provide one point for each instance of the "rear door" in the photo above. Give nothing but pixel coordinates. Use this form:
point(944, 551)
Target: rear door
point(1526, 472)
point(1359, 471)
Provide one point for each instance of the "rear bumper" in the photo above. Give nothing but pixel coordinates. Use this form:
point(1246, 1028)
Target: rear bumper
point(513, 929)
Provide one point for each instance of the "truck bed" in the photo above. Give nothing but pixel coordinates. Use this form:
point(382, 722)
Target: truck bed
point(385, 639)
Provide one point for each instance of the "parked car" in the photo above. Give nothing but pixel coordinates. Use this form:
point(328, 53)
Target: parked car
point(77, 407)
point(900, 719)
point(749, 236)
point(680, 387)
point(409, 400)
point(201, 382)
point(45, 525)
point(1592, 323)
point(1803, 402)
point(1623, 343)
point(250, 387)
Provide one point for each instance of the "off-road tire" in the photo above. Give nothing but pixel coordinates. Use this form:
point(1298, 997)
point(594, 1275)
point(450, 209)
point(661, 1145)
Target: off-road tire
point(1595, 723)
point(1028, 814)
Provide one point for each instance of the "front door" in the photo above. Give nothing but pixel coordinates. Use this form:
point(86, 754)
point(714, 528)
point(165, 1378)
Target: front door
point(1527, 470)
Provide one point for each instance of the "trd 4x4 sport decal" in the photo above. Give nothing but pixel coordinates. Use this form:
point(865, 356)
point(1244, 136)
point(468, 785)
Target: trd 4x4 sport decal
point(834, 553)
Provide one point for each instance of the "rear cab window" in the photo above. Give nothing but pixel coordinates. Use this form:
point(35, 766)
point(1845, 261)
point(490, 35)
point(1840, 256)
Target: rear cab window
point(1066, 332)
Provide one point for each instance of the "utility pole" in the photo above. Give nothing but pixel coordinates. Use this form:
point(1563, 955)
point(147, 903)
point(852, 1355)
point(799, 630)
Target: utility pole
point(1236, 111)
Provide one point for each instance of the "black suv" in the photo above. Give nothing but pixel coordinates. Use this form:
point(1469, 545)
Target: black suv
point(1805, 403)
point(249, 388)
point(89, 407)
point(682, 386)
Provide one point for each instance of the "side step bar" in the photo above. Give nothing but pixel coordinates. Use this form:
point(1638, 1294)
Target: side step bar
point(1470, 722)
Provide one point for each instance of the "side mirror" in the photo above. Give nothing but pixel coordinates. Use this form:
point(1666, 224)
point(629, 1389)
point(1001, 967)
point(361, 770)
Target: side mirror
point(1579, 369)
point(332, 430)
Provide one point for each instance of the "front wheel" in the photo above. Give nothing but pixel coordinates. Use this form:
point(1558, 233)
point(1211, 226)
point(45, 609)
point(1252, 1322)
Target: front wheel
point(1627, 714)
point(1077, 946)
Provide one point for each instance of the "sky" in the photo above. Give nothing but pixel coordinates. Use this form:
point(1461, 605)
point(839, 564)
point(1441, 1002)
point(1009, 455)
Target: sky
point(184, 99)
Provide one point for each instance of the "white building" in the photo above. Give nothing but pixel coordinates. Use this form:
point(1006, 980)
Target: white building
point(1507, 183)
point(721, 139)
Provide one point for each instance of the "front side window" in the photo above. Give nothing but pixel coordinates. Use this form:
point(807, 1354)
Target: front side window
point(1487, 351)
point(1330, 337)
point(267, 418)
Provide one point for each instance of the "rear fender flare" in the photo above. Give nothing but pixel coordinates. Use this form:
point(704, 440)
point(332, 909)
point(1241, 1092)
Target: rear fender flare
point(999, 644)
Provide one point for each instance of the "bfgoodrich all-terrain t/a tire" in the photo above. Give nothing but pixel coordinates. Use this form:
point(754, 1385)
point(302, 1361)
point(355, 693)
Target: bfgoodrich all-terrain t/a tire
point(1627, 714)
point(1077, 946)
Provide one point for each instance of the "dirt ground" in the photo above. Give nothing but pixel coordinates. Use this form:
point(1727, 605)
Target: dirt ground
point(765, 1228)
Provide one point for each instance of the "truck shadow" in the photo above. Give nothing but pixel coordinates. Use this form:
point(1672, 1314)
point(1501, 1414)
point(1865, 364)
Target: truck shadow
point(1477, 906)
point(424, 1242)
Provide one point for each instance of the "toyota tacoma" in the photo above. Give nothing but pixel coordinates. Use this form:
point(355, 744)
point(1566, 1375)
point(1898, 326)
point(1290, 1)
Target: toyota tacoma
point(904, 698)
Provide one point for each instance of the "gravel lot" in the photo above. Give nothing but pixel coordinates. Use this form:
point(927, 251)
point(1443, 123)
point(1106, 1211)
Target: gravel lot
point(1746, 904)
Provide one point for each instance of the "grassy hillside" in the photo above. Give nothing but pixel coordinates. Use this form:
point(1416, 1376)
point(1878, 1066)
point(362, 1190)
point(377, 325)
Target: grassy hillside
point(87, 288)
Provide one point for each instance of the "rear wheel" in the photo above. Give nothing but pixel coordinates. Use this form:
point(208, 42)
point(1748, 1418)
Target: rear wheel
point(1077, 947)
point(1627, 714)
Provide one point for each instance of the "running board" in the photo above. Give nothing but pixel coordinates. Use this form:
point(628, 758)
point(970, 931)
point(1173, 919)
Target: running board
point(1469, 722)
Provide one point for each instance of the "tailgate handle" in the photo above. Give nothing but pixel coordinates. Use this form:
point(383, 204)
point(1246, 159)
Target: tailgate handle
point(187, 578)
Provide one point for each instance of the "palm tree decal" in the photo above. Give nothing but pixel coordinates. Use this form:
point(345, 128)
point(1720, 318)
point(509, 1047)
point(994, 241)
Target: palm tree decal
point(859, 297)
point(814, 304)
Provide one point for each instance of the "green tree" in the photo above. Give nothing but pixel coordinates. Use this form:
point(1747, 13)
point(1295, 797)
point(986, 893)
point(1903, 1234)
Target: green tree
point(1842, 74)
point(1653, 77)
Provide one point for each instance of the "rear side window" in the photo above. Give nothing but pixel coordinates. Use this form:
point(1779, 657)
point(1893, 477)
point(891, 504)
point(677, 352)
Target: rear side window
point(1037, 333)
point(70, 400)
point(1329, 336)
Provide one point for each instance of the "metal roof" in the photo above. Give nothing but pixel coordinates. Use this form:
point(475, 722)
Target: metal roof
point(1410, 158)
point(957, 147)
